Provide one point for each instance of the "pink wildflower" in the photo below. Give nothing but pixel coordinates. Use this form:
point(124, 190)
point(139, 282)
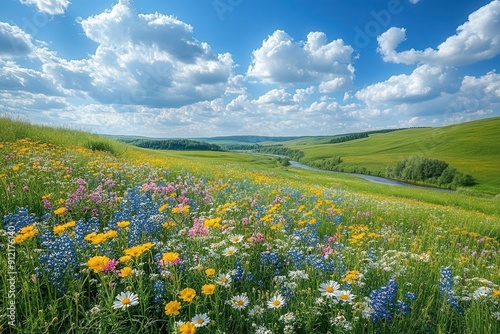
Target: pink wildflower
point(110, 266)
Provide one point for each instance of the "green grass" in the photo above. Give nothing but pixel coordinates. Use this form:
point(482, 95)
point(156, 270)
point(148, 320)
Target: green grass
point(272, 218)
point(470, 147)
point(13, 130)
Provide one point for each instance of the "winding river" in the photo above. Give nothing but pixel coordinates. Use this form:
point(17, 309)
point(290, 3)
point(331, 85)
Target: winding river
point(374, 179)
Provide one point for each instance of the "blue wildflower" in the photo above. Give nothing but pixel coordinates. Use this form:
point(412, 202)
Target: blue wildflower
point(446, 289)
point(382, 301)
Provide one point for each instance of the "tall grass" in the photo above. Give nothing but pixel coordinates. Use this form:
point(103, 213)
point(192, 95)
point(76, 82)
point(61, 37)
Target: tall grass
point(13, 130)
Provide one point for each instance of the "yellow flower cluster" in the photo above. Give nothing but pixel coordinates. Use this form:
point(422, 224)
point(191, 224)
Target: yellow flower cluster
point(136, 251)
point(181, 209)
point(97, 238)
point(97, 263)
point(59, 229)
point(351, 277)
point(25, 233)
point(212, 222)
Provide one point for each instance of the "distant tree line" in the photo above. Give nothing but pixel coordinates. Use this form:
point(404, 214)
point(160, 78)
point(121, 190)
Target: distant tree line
point(174, 144)
point(327, 164)
point(280, 150)
point(427, 170)
point(359, 135)
point(240, 147)
point(345, 138)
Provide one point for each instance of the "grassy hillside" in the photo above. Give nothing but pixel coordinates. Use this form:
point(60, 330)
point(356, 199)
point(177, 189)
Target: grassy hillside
point(471, 147)
point(233, 242)
point(13, 130)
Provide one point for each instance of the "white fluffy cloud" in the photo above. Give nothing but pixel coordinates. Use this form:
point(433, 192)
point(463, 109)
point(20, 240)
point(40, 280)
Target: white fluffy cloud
point(141, 59)
point(51, 7)
point(282, 60)
point(151, 59)
point(424, 83)
point(14, 41)
point(275, 96)
point(477, 39)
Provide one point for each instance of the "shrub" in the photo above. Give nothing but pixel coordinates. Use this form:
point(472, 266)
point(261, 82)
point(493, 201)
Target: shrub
point(433, 171)
point(100, 146)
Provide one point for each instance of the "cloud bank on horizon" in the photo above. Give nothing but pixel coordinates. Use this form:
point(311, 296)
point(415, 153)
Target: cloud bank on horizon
point(132, 68)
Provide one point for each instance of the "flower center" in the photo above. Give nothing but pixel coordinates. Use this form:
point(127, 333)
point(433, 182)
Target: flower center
point(200, 321)
point(344, 296)
point(276, 302)
point(240, 302)
point(329, 289)
point(126, 301)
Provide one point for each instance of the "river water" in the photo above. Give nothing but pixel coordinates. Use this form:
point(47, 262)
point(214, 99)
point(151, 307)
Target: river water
point(374, 179)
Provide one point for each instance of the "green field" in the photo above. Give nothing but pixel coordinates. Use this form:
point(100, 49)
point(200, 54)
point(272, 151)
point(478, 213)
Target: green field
point(234, 242)
point(473, 148)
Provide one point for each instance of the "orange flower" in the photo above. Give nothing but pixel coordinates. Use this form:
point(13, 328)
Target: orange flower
point(210, 271)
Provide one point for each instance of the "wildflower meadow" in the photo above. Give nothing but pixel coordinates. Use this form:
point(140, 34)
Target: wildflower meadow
point(93, 242)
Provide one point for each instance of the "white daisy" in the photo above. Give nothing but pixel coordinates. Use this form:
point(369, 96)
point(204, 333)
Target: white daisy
point(229, 251)
point(277, 301)
point(200, 320)
point(345, 296)
point(125, 299)
point(224, 280)
point(236, 238)
point(329, 289)
point(239, 302)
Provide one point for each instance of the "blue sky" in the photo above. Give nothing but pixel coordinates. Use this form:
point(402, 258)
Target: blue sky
point(198, 68)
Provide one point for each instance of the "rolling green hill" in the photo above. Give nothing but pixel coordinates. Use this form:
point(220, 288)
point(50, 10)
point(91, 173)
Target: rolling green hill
point(472, 147)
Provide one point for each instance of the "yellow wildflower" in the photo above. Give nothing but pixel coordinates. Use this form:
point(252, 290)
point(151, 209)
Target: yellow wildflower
point(60, 211)
point(172, 308)
point(123, 223)
point(187, 294)
point(97, 263)
point(124, 272)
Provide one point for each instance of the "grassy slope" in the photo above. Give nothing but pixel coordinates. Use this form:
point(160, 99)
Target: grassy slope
point(12, 131)
point(471, 147)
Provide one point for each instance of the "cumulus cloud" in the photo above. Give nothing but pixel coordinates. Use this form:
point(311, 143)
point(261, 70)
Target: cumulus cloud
point(282, 60)
point(144, 59)
point(424, 83)
point(14, 41)
point(52, 7)
point(16, 78)
point(477, 94)
point(302, 94)
point(275, 96)
point(152, 59)
point(476, 40)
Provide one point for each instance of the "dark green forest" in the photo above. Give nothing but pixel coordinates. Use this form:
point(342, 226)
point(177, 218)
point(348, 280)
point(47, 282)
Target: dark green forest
point(173, 144)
